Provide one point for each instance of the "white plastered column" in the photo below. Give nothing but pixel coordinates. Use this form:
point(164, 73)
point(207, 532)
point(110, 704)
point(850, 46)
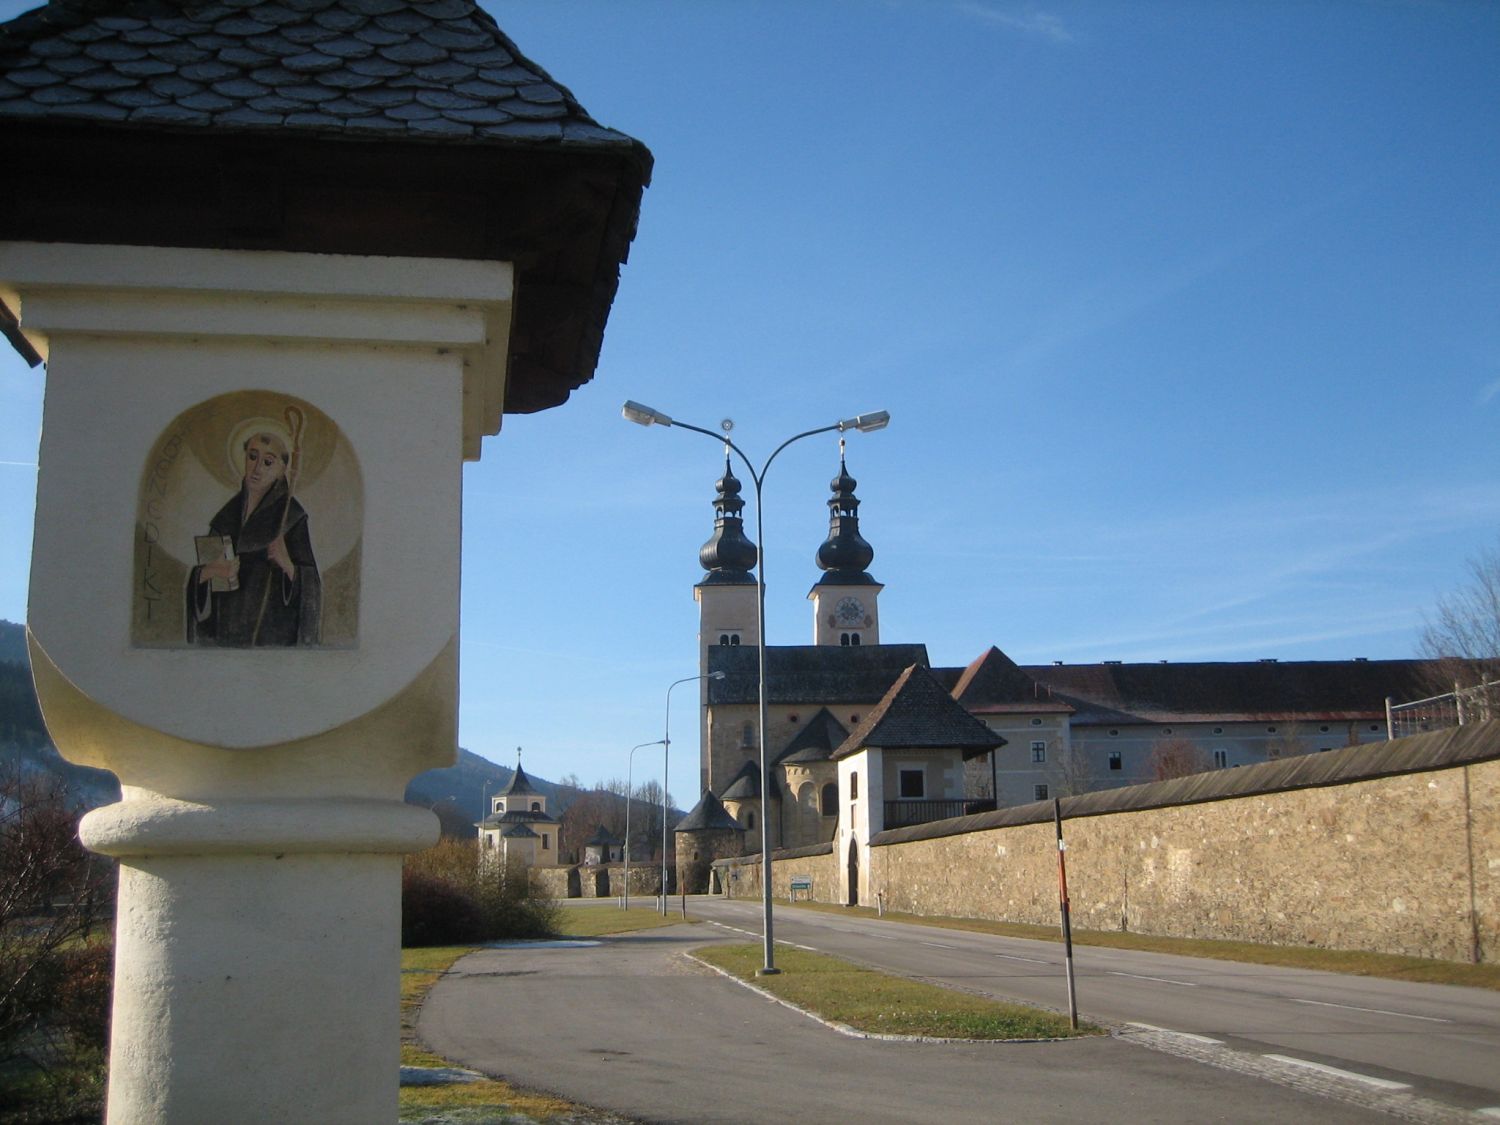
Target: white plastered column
point(261, 824)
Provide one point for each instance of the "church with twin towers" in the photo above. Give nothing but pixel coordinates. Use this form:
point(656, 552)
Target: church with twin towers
point(1062, 728)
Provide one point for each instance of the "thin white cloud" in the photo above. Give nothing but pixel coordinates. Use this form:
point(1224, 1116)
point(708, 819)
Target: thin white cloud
point(1031, 21)
point(1487, 395)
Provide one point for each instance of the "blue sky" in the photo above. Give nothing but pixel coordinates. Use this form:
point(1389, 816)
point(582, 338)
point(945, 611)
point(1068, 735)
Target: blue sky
point(1187, 316)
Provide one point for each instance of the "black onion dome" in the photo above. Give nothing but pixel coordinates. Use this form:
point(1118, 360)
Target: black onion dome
point(728, 556)
point(844, 554)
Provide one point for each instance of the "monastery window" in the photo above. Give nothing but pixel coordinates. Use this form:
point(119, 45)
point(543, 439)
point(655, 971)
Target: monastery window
point(1036, 722)
point(1270, 730)
point(1166, 730)
point(830, 799)
point(849, 640)
point(749, 820)
point(1114, 734)
point(747, 735)
point(1374, 727)
point(1039, 792)
point(1221, 759)
point(1114, 759)
point(1324, 728)
point(1038, 751)
point(912, 784)
point(1218, 730)
point(546, 841)
point(854, 786)
point(536, 806)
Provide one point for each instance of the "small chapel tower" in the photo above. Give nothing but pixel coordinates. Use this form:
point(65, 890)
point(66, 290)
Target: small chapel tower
point(845, 610)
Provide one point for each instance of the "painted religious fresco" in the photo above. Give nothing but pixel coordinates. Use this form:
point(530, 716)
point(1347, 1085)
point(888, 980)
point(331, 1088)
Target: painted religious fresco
point(248, 529)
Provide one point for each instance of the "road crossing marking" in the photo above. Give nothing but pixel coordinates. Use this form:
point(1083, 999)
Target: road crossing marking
point(1015, 957)
point(1159, 980)
point(1377, 1011)
point(937, 945)
point(1366, 1079)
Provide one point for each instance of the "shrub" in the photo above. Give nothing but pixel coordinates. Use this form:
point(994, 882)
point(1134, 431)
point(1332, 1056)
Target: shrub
point(450, 896)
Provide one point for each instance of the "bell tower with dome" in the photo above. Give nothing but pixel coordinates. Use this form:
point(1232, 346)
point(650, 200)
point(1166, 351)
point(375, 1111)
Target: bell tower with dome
point(845, 600)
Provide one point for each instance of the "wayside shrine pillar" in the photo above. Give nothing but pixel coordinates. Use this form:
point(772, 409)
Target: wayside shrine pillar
point(287, 265)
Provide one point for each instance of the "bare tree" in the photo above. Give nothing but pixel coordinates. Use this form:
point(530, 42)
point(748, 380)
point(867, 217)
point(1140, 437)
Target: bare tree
point(1073, 773)
point(1464, 631)
point(1176, 757)
point(54, 898)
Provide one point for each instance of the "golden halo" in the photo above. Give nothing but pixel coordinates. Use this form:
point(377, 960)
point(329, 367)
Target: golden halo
point(247, 429)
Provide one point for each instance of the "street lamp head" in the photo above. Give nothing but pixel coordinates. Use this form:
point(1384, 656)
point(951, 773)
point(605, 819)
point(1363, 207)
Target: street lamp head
point(716, 675)
point(643, 415)
point(867, 423)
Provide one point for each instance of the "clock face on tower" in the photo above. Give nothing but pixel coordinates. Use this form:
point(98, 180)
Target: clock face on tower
point(849, 611)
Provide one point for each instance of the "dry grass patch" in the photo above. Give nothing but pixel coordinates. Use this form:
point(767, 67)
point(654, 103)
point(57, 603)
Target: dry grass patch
point(882, 1004)
point(1390, 966)
point(599, 921)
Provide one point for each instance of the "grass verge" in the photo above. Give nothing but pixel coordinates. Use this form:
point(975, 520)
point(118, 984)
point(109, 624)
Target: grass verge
point(881, 1004)
point(421, 969)
point(1390, 966)
point(597, 921)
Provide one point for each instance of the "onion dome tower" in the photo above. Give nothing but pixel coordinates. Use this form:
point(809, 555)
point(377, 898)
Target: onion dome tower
point(726, 608)
point(728, 556)
point(844, 599)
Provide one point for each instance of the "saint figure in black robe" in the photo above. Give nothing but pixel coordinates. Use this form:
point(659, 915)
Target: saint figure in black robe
point(266, 590)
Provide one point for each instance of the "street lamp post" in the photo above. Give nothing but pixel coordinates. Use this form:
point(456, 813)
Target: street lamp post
point(629, 799)
point(865, 423)
point(666, 752)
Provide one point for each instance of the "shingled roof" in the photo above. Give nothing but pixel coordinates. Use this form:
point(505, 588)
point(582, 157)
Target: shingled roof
point(816, 741)
point(995, 684)
point(918, 713)
point(1251, 691)
point(707, 815)
point(815, 674)
point(395, 127)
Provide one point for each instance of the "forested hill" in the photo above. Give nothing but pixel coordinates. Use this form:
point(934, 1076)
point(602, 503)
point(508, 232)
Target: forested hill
point(456, 793)
point(12, 642)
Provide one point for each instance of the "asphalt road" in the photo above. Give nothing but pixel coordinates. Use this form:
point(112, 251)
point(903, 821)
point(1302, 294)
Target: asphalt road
point(631, 1025)
point(1438, 1041)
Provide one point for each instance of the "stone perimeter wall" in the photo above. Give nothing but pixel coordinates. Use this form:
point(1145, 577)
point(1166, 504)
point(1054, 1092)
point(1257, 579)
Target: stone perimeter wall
point(1407, 864)
point(1400, 863)
point(740, 877)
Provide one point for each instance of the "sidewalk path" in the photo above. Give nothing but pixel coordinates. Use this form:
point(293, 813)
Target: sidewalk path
point(632, 1026)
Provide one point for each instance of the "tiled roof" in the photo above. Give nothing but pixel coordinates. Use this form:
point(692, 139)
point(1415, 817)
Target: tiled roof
point(994, 683)
point(416, 69)
point(917, 713)
point(816, 741)
point(708, 814)
point(519, 785)
point(519, 832)
point(745, 785)
point(1245, 690)
point(517, 816)
point(813, 674)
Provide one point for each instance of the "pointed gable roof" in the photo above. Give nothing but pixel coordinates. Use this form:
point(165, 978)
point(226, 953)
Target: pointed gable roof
point(520, 785)
point(994, 683)
point(918, 714)
point(745, 785)
point(816, 741)
point(708, 814)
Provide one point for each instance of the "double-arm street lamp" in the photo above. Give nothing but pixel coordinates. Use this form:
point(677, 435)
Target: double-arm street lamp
point(630, 800)
point(666, 753)
point(865, 423)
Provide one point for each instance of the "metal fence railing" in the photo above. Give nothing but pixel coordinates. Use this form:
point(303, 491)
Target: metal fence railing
point(1452, 709)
